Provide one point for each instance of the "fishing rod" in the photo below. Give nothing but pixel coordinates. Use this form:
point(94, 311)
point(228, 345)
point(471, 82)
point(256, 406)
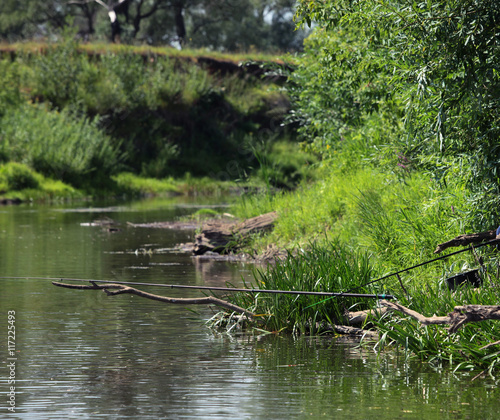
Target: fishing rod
point(349, 293)
point(471, 248)
point(217, 288)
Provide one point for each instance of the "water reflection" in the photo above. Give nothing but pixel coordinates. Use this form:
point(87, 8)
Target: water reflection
point(82, 354)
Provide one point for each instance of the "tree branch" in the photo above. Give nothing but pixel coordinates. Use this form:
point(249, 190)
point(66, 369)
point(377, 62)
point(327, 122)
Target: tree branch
point(462, 240)
point(415, 315)
point(460, 316)
point(121, 289)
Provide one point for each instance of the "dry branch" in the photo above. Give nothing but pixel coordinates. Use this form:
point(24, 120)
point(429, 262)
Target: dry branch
point(360, 317)
point(460, 316)
point(121, 289)
point(463, 240)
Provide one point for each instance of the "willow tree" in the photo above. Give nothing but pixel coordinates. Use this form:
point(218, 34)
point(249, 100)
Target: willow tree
point(430, 66)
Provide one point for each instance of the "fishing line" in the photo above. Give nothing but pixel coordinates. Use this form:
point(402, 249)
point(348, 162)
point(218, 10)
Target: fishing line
point(349, 293)
point(218, 288)
point(471, 248)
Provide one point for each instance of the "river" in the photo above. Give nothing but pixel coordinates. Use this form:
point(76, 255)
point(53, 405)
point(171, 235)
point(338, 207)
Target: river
point(83, 355)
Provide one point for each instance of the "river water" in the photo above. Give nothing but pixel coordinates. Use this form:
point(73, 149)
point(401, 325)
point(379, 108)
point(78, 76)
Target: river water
point(84, 355)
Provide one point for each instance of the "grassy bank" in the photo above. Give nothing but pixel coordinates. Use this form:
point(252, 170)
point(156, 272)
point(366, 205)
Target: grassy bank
point(351, 228)
point(405, 165)
point(82, 114)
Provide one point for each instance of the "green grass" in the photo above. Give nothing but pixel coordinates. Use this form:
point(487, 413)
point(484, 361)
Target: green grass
point(132, 184)
point(136, 185)
point(60, 145)
point(331, 268)
point(18, 181)
point(366, 207)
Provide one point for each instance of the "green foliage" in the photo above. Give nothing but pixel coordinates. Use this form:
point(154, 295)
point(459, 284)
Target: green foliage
point(16, 176)
point(30, 18)
point(169, 115)
point(265, 25)
point(53, 76)
point(10, 92)
point(65, 75)
point(61, 145)
point(432, 65)
point(337, 87)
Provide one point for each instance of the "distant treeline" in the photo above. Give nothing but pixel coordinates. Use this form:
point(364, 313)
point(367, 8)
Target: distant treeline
point(220, 25)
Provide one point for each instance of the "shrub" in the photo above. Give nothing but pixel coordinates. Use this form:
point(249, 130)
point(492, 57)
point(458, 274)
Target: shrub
point(18, 176)
point(60, 145)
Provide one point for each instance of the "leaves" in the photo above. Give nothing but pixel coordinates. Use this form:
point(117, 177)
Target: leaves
point(431, 65)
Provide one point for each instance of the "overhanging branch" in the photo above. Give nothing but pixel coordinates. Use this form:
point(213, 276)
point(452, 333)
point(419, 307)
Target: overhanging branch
point(460, 316)
point(121, 289)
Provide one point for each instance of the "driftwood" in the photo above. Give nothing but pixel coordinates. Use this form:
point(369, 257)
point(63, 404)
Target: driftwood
point(360, 317)
point(121, 289)
point(462, 240)
point(224, 238)
point(460, 316)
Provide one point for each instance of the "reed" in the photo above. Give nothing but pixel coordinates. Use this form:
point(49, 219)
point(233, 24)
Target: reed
point(332, 268)
point(464, 349)
point(57, 144)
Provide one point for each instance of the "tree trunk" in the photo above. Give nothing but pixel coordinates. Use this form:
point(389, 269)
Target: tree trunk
point(180, 27)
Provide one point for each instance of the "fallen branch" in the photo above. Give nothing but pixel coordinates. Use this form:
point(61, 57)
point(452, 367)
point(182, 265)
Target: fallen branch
point(121, 289)
point(460, 316)
point(415, 315)
point(462, 240)
point(490, 345)
point(360, 317)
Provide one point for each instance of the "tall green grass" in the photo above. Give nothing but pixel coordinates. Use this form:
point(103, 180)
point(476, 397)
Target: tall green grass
point(61, 145)
point(330, 268)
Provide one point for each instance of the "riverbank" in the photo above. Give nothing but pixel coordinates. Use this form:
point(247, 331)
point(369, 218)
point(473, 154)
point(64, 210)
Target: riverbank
point(19, 183)
point(83, 114)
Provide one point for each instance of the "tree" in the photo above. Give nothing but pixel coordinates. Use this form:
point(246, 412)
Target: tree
point(217, 24)
point(20, 20)
point(225, 24)
point(439, 59)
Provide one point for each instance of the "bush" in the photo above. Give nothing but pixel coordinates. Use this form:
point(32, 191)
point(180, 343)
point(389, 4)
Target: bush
point(61, 145)
point(17, 176)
